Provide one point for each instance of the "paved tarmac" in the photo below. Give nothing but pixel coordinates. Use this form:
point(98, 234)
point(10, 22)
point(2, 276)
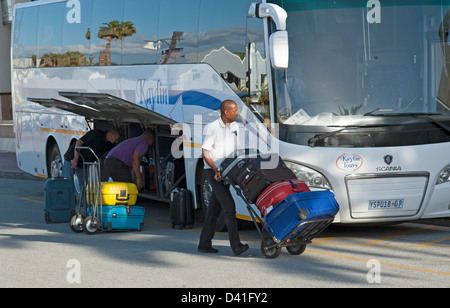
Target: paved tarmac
point(37, 254)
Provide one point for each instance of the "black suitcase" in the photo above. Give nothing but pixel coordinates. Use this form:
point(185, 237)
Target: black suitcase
point(181, 209)
point(253, 173)
point(255, 183)
point(241, 166)
point(59, 200)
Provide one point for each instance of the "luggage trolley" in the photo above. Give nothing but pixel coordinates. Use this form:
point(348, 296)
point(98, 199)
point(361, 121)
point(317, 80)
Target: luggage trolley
point(299, 230)
point(89, 217)
point(295, 240)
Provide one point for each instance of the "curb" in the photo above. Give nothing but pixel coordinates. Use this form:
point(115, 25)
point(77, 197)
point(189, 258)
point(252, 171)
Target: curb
point(17, 175)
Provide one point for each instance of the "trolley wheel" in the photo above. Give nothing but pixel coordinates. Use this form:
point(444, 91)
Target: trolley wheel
point(269, 249)
point(296, 249)
point(76, 224)
point(91, 225)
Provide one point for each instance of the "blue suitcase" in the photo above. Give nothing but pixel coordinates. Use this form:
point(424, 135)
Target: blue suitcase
point(59, 200)
point(123, 217)
point(305, 212)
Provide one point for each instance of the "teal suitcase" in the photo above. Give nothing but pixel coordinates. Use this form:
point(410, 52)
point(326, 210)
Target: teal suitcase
point(59, 200)
point(117, 218)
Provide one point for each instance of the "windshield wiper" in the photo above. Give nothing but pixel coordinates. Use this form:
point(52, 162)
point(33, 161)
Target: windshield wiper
point(313, 140)
point(398, 114)
point(425, 115)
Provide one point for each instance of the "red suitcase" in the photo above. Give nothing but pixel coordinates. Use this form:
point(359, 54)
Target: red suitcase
point(277, 192)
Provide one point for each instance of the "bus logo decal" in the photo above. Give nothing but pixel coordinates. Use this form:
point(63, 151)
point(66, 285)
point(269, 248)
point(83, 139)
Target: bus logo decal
point(349, 162)
point(388, 159)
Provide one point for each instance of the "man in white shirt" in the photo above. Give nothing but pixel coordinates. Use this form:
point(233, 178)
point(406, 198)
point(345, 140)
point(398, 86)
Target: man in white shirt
point(220, 141)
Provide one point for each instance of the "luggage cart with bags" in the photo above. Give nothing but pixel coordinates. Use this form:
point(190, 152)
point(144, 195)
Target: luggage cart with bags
point(108, 205)
point(295, 220)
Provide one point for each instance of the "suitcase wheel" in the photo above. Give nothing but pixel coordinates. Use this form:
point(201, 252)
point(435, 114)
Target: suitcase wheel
point(47, 217)
point(76, 223)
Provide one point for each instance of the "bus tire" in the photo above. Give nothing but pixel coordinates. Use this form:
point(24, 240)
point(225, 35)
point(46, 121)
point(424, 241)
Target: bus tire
point(54, 162)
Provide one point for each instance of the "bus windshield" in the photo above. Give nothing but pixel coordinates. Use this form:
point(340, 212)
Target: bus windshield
point(379, 68)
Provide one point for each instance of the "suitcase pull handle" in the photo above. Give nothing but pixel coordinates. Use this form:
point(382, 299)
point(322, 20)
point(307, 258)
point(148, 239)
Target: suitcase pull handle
point(294, 186)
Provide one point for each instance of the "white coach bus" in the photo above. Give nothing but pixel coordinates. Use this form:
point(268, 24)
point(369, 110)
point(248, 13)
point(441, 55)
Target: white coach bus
point(355, 94)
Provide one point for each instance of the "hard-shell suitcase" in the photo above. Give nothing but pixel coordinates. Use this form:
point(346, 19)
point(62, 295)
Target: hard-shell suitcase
point(59, 200)
point(181, 208)
point(255, 183)
point(123, 217)
point(291, 215)
point(278, 191)
point(116, 193)
point(253, 173)
point(241, 167)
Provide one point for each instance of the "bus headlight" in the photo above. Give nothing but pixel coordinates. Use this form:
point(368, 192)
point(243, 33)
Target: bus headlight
point(312, 178)
point(444, 176)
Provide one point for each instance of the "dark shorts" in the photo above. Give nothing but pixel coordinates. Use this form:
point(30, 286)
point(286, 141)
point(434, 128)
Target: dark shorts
point(118, 170)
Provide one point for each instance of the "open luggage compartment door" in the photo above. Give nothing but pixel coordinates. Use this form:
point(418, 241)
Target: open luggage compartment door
point(103, 106)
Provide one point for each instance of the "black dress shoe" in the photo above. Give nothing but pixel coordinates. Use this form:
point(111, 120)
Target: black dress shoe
point(241, 249)
point(207, 249)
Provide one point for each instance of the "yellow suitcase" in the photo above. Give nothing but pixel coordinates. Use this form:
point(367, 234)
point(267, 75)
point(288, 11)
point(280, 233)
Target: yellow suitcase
point(116, 193)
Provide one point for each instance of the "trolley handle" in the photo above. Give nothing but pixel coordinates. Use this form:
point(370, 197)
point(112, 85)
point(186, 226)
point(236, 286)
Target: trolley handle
point(87, 148)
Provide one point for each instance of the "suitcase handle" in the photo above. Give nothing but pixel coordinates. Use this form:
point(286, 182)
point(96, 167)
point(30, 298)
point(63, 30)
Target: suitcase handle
point(294, 186)
point(249, 174)
point(118, 198)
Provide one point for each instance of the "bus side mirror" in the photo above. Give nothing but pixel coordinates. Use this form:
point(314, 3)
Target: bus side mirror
point(279, 50)
point(278, 41)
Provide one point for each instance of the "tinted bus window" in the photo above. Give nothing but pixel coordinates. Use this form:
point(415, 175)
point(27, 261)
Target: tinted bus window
point(77, 34)
point(222, 39)
point(142, 46)
point(177, 31)
point(108, 31)
point(25, 27)
point(49, 34)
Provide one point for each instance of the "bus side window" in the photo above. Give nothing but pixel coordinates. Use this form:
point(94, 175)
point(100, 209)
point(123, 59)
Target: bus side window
point(25, 39)
point(49, 35)
point(178, 31)
point(142, 47)
point(106, 43)
point(77, 33)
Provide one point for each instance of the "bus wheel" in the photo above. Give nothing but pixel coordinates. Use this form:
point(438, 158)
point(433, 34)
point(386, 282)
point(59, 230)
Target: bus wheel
point(206, 195)
point(54, 162)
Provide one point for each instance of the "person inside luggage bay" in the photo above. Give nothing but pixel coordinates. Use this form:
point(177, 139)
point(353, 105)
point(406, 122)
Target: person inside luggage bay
point(220, 141)
point(127, 155)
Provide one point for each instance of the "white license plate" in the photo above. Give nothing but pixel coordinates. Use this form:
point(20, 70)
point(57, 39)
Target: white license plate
point(386, 204)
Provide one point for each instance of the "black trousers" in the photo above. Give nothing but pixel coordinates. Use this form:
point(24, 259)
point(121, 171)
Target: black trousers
point(118, 170)
point(221, 201)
